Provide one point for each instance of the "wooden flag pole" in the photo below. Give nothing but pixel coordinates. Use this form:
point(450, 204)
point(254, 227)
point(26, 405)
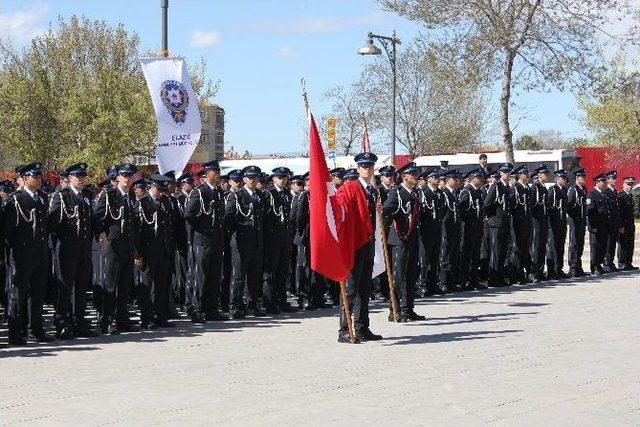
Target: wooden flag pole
point(347, 311)
point(387, 264)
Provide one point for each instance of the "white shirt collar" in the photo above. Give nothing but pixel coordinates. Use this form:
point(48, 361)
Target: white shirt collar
point(75, 190)
point(249, 190)
point(210, 186)
point(363, 182)
point(124, 193)
point(406, 188)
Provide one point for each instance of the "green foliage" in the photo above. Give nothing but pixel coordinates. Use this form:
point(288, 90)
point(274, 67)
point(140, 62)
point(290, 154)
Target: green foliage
point(77, 93)
point(527, 142)
point(612, 112)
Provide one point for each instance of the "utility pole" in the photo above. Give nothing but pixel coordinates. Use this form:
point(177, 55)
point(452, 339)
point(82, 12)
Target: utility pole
point(164, 4)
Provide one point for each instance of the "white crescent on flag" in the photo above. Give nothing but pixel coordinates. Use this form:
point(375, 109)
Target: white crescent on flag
point(331, 221)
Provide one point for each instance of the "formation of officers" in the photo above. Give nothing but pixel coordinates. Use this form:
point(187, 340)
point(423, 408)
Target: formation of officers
point(238, 245)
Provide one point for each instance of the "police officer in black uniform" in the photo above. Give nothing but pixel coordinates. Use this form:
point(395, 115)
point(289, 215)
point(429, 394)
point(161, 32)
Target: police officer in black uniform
point(577, 222)
point(114, 214)
point(153, 249)
point(387, 181)
point(614, 225)
point(235, 183)
point(277, 242)
point(498, 210)
point(25, 230)
point(183, 238)
point(628, 229)
point(557, 208)
point(71, 220)
point(485, 245)
point(431, 213)
point(449, 279)
point(539, 223)
point(401, 216)
point(245, 213)
point(204, 211)
point(598, 218)
point(472, 214)
point(521, 227)
point(297, 191)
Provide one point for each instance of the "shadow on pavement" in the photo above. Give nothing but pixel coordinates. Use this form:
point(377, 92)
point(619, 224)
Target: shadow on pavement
point(448, 337)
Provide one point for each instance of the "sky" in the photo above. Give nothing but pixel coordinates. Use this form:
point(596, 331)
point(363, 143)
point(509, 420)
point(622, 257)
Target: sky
point(260, 50)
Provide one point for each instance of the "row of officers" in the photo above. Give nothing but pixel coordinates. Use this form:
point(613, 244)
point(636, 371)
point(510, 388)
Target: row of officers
point(228, 247)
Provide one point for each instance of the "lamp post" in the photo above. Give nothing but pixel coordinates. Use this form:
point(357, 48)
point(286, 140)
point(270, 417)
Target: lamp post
point(164, 4)
point(370, 49)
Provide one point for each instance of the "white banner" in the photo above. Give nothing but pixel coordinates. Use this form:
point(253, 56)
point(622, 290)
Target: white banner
point(378, 260)
point(176, 106)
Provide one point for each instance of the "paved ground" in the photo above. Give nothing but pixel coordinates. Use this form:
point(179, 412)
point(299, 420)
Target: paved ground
point(561, 353)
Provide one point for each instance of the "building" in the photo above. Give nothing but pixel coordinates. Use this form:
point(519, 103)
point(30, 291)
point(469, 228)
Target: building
point(211, 144)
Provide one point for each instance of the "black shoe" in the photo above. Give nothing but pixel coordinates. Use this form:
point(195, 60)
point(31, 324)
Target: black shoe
point(256, 312)
point(562, 275)
point(17, 340)
point(148, 325)
point(65, 333)
point(403, 318)
point(370, 336)
point(273, 310)
point(216, 317)
point(165, 324)
point(343, 337)
point(612, 268)
point(124, 327)
point(238, 314)
point(41, 336)
point(83, 330)
point(632, 267)
point(480, 286)
point(286, 308)
point(413, 316)
point(309, 307)
point(198, 318)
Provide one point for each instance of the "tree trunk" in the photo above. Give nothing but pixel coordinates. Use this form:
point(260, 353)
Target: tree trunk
point(505, 97)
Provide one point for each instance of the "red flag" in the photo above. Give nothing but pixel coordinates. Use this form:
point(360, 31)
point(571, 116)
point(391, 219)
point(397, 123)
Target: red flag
point(325, 214)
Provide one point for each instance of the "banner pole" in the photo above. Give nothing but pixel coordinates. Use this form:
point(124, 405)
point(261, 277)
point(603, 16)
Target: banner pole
point(347, 311)
point(387, 264)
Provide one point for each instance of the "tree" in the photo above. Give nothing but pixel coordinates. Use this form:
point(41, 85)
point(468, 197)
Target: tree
point(612, 111)
point(440, 106)
point(77, 93)
point(527, 142)
point(527, 43)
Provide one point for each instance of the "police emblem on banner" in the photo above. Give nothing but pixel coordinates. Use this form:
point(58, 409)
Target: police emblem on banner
point(176, 99)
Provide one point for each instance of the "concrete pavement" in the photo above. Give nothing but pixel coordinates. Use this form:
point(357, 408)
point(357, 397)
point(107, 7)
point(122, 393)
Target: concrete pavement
point(560, 353)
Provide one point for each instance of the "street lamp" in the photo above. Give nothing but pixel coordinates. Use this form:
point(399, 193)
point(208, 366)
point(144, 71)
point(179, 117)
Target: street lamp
point(370, 49)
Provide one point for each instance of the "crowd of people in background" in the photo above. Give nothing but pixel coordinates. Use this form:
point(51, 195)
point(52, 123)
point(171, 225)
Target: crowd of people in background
point(216, 247)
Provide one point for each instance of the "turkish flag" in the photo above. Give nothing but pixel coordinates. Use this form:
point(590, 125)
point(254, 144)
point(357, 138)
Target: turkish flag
point(325, 214)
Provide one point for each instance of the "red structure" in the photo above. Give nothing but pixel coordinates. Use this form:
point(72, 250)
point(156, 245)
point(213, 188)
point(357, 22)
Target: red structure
point(603, 159)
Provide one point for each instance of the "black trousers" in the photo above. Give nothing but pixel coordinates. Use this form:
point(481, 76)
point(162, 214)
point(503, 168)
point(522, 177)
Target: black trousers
point(247, 273)
point(25, 287)
point(577, 228)
point(472, 233)
point(450, 254)
point(539, 238)
point(155, 289)
point(291, 274)
point(555, 247)
point(276, 262)
point(498, 245)
point(75, 273)
point(207, 271)
point(405, 271)
point(431, 236)
point(626, 246)
point(227, 275)
point(358, 289)
point(598, 246)
point(612, 241)
point(118, 281)
point(520, 247)
point(485, 251)
point(183, 275)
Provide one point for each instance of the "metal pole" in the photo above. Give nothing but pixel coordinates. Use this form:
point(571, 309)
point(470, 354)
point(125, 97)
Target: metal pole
point(164, 4)
point(393, 104)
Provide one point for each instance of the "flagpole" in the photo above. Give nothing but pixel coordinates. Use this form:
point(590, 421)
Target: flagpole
point(387, 264)
point(347, 311)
